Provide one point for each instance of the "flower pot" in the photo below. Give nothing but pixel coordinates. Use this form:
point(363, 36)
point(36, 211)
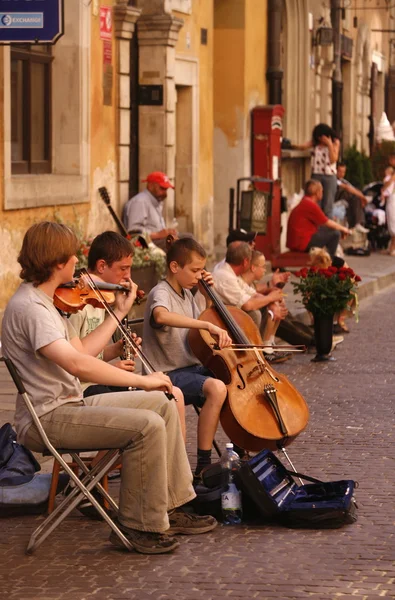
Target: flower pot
point(323, 333)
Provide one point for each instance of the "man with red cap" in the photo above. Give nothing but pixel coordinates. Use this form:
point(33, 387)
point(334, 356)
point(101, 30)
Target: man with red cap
point(143, 212)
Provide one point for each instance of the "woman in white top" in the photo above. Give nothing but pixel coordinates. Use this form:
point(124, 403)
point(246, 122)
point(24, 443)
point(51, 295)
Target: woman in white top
point(388, 195)
point(325, 154)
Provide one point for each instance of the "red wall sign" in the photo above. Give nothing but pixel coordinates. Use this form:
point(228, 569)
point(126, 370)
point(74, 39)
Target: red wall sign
point(105, 23)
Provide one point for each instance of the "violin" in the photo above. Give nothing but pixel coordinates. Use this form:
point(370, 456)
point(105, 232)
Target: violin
point(263, 409)
point(75, 295)
point(95, 289)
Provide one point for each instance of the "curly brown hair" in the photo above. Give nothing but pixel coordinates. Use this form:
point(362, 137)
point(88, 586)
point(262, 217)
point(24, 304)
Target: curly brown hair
point(45, 245)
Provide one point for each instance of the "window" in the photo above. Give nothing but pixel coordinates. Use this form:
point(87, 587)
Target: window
point(47, 116)
point(31, 109)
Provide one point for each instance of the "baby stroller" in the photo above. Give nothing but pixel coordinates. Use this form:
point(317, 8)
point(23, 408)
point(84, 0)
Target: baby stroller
point(375, 220)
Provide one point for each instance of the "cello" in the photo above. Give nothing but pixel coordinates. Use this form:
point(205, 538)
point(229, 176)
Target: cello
point(263, 409)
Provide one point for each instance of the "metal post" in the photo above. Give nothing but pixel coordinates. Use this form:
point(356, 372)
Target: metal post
point(274, 73)
point(337, 83)
point(231, 208)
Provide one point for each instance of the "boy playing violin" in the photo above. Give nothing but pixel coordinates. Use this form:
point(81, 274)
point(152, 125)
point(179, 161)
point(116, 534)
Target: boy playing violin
point(170, 312)
point(156, 479)
point(110, 259)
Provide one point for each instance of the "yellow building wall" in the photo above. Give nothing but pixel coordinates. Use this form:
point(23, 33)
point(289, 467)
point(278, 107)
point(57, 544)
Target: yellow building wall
point(92, 216)
point(229, 61)
point(255, 83)
point(189, 45)
point(240, 63)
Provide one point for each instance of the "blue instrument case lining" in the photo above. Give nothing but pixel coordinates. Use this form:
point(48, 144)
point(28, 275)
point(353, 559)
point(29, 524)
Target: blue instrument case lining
point(276, 494)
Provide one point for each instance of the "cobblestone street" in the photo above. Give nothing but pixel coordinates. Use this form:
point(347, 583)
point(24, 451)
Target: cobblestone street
point(350, 435)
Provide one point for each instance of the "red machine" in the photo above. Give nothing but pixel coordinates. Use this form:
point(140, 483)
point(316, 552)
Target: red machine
point(266, 162)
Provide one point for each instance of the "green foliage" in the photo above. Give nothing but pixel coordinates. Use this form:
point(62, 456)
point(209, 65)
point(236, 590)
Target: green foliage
point(367, 169)
point(359, 171)
point(326, 292)
point(145, 257)
point(380, 157)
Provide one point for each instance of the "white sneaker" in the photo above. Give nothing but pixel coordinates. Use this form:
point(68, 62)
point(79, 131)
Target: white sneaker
point(336, 339)
point(360, 228)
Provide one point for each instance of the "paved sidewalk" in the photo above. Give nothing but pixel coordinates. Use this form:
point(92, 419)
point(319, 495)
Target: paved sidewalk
point(349, 435)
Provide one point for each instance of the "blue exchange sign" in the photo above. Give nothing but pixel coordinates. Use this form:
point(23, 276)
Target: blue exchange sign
point(31, 21)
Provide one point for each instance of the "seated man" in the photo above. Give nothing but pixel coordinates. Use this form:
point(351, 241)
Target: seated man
point(309, 227)
point(156, 478)
point(143, 213)
point(354, 199)
point(236, 292)
point(269, 317)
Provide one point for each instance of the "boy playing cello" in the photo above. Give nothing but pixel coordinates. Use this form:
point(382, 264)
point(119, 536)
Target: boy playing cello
point(170, 312)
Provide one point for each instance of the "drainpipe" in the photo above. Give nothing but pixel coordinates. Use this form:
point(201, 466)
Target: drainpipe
point(274, 73)
point(337, 83)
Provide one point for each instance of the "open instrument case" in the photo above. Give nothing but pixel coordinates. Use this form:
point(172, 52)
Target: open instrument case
point(276, 494)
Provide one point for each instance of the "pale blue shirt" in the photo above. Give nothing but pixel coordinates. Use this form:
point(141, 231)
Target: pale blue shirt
point(143, 213)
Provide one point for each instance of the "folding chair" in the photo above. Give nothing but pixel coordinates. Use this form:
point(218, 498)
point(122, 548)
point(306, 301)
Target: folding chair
point(83, 487)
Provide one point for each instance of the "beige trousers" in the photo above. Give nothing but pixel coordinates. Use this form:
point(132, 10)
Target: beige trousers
point(155, 476)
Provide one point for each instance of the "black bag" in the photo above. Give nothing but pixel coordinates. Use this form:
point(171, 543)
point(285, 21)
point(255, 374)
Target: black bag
point(17, 463)
point(272, 487)
point(21, 491)
point(295, 332)
point(213, 481)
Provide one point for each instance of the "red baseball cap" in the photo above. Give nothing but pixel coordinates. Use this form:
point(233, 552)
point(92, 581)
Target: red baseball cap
point(159, 177)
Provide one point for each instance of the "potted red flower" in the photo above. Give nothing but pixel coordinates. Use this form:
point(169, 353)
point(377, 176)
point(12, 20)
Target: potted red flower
point(325, 292)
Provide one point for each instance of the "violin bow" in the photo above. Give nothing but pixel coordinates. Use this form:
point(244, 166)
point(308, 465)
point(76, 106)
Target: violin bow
point(147, 364)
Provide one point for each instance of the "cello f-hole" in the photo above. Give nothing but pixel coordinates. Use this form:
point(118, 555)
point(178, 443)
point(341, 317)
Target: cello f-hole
point(240, 387)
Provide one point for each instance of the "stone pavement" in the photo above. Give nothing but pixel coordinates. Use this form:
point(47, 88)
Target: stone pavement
point(350, 435)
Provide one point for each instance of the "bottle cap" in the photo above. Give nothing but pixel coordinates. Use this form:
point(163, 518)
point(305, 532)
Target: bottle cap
point(229, 445)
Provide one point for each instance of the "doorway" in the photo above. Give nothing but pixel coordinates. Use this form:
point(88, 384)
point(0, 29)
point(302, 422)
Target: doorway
point(183, 203)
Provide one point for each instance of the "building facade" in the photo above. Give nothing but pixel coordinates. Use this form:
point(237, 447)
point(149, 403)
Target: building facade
point(135, 86)
point(128, 89)
point(351, 42)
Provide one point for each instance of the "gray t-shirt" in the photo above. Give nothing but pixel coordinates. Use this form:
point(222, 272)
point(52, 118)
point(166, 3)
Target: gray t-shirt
point(31, 322)
point(167, 347)
point(143, 213)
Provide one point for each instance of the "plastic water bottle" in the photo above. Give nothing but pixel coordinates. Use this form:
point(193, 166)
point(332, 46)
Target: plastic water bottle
point(231, 497)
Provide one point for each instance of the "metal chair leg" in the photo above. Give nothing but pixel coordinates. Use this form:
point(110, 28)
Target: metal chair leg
point(71, 501)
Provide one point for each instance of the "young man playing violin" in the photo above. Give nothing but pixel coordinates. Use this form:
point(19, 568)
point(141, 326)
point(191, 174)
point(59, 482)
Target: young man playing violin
point(156, 478)
point(110, 260)
point(170, 312)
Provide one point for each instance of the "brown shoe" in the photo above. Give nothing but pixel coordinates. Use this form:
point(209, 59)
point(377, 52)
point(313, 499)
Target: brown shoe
point(185, 523)
point(145, 542)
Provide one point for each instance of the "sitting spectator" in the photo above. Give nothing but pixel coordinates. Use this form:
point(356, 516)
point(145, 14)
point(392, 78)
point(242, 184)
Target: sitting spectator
point(241, 235)
point(276, 310)
point(354, 198)
point(309, 227)
point(237, 292)
point(143, 213)
point(320, 259)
